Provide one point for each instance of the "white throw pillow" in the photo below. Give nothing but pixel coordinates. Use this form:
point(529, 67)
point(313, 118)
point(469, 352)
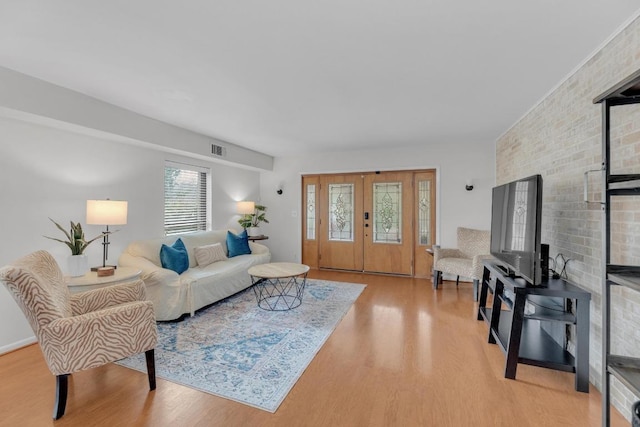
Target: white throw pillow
point(206, 255)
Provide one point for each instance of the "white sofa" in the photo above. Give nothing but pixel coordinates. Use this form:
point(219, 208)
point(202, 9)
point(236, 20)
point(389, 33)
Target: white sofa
point(174, 295)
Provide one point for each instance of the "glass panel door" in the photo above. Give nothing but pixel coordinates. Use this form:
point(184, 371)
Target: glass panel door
point(377, 222)
point(388, 239)
point(310, 185)
point(425, 214)
point(340, 229)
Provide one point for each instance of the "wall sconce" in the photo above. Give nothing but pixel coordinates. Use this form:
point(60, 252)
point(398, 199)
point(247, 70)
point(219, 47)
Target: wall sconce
point(469, 185)
point(246, 208)
point(106, 212)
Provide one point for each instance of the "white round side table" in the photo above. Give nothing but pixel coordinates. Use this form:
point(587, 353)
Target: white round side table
point(279, 286)
point(92, 281)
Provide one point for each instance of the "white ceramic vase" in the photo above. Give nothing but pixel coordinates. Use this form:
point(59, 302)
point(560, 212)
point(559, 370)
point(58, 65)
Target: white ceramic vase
point(78, 265)
point(254, 231)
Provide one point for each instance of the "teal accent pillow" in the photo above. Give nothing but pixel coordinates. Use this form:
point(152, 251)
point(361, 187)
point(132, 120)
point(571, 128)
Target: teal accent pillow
point(175, 257)
point(238, 244)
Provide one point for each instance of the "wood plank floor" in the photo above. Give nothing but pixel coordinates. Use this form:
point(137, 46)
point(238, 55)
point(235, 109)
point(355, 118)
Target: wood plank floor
point(404, 355)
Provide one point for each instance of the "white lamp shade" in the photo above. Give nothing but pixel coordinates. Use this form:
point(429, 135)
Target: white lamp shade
point(246, 208)
point(106, 212)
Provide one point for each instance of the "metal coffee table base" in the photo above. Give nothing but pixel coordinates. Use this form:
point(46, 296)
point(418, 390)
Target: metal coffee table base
point(279, 294)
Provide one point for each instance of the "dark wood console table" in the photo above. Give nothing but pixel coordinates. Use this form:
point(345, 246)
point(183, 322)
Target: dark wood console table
point(520, 335)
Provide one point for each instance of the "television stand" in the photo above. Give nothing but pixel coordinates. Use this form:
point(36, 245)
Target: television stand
point(506, 271)
point(521, 336)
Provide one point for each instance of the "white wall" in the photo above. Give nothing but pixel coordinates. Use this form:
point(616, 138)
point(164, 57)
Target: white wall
point(47, 172)
point(455, 164)
point(48, 102)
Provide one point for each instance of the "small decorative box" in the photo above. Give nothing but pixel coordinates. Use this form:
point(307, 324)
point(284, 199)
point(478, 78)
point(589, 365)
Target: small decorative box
point(105, 271)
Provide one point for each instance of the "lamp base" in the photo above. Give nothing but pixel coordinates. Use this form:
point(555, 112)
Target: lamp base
point(100, 266)
point(105, 271)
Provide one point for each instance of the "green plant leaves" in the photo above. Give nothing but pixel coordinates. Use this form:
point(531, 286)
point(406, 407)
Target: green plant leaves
point(75, 237)
point(254, 219)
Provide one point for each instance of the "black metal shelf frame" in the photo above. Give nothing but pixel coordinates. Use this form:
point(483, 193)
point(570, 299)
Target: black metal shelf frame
point(625, 369)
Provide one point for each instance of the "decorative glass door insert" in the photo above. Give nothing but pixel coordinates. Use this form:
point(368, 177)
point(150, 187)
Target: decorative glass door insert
point(341, 212)
point(387, 212)
point(424, 212)
point(311, 211)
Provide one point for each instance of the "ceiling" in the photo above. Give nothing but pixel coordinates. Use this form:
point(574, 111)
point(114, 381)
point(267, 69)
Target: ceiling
point(291, 76)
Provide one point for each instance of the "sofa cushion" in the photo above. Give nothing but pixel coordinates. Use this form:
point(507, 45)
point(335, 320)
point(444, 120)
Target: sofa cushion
point(209, 254)
point(203, 238)
point(238, 244)
point(175, 257)
point(149, 249)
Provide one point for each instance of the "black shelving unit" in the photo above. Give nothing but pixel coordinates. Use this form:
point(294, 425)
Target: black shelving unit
point(625, 369)
point(521, 336)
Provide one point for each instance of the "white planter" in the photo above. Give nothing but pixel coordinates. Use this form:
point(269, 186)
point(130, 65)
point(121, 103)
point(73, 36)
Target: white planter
point(78, 265)
point(254, 231)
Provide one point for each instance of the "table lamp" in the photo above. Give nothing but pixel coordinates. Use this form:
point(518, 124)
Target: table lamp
point(106, 212)
point(246, 208)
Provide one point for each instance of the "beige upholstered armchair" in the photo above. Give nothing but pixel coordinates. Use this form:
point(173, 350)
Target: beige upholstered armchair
point(84, 330)
point(466, 260)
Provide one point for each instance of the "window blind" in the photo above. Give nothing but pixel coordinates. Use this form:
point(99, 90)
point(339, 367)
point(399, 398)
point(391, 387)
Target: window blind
point(185, 198)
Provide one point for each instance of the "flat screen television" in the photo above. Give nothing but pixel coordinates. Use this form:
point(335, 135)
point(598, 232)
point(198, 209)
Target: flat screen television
point(516, 228)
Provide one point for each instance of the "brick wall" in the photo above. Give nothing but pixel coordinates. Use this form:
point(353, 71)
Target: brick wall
point(560, 138)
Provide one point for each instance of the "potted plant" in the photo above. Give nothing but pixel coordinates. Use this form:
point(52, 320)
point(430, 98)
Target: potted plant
point(251, 222)
point(78, 263)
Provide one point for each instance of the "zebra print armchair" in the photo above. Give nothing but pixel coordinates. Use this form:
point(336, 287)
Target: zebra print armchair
point(84, 330)
point(466, 260)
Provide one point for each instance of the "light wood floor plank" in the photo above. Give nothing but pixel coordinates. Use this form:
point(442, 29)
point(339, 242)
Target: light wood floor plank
point(404, 355)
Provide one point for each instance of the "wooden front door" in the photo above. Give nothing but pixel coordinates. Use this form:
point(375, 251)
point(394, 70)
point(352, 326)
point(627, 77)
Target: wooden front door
point(340, 222)
point(388, 240)
point(380, 222)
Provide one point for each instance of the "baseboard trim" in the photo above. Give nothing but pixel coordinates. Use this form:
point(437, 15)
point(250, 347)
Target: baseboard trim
point(17, 345)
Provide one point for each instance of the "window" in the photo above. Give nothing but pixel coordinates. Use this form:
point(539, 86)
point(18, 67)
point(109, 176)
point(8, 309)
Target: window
point(424, 212)
point(311, 211)
point(185, 198)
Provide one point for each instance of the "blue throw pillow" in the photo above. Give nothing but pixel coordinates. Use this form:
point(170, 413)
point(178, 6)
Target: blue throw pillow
point(238, 244)
point(175, 257)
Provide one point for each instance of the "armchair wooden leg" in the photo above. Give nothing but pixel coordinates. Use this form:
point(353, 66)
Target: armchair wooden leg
point(62, 382)
point(457, 281)
point(476, 282)
point(151, 368)
point(436, 277)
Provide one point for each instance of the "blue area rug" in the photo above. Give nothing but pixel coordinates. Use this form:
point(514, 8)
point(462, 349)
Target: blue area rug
point(238, 351)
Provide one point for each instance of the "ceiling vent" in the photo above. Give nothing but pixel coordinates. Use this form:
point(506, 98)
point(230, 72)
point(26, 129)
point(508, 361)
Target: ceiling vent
point(218, 150)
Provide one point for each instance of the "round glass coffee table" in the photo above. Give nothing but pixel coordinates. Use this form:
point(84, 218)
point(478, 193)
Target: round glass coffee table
point(279, 286)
